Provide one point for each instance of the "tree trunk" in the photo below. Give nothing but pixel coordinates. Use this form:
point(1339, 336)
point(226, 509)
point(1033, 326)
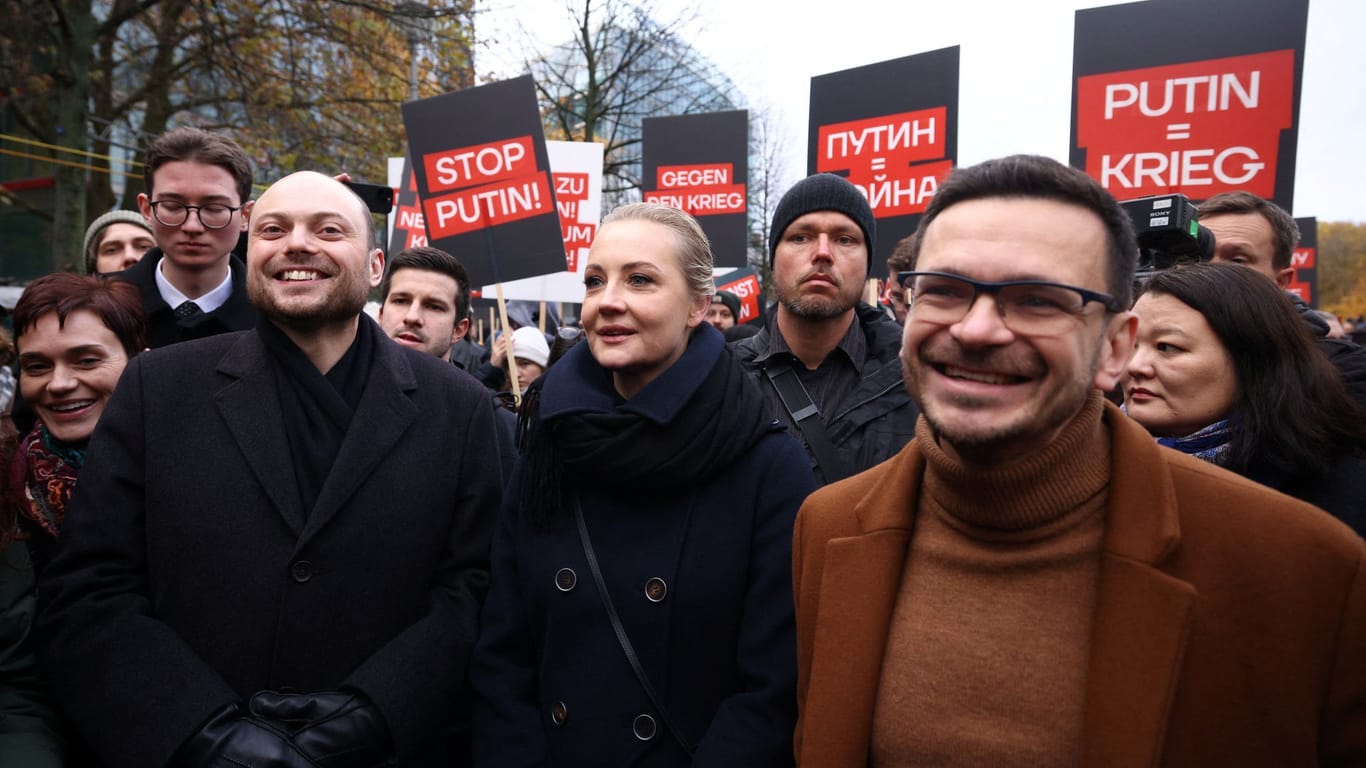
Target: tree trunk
point(73, 106)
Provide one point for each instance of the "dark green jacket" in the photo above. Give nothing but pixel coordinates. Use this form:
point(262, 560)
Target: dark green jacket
point(27, 716)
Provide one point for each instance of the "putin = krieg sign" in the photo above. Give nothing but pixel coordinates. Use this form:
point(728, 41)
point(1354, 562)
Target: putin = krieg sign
point(483, 178)
point(891, 128)
point(1200, 107)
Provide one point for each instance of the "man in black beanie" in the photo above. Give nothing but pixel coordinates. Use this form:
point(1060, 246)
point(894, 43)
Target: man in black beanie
point(725, 310)
point(826, 361)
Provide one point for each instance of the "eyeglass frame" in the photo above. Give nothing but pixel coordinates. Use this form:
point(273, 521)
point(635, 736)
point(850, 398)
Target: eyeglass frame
point(197, 213)
point(994, 288)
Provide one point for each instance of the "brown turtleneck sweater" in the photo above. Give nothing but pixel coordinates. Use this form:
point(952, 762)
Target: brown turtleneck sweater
point(987, 652)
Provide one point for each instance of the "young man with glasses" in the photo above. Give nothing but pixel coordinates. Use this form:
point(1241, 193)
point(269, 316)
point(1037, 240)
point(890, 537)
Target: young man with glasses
point(1033, 580)
point(197, 201)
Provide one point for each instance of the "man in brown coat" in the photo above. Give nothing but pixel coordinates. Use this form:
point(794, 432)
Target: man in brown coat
point(1032, 580)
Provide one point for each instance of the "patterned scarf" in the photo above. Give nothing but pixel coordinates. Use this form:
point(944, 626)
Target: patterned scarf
point(47, 471)
point(1211, 443)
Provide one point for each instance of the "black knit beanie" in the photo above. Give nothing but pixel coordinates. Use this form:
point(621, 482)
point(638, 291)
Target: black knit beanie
point(731, 301)
point(822, 192)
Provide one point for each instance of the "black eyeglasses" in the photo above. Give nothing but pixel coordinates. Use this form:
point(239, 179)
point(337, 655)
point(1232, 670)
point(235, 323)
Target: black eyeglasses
point(1033, 307)
point(173, 213)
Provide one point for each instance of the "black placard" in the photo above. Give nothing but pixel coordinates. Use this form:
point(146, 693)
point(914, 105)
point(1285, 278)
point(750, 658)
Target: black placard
point(891, 128)
point(483, 178)
point(1191, 97)
point(1305, 259)
point(700, 164)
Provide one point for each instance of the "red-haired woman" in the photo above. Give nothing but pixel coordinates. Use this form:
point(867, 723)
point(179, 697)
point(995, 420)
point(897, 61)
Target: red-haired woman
point(75, 334)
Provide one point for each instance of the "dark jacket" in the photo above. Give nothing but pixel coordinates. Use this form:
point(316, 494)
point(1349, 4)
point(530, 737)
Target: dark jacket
point(1340, 490)
point(1350, 360)
point(466, 355)
point(188, 576)
point(237, 314)
point(718, 645)
point(29, 731)
point(504, 421)
point(1346, 355)
point(875, 420)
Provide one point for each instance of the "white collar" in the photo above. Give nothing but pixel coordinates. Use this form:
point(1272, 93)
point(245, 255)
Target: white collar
point(207, 303)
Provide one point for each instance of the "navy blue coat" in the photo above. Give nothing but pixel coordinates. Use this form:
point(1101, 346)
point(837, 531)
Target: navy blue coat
point(719, 646)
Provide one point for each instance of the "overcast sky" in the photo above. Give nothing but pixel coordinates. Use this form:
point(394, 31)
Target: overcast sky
point(1015, 71)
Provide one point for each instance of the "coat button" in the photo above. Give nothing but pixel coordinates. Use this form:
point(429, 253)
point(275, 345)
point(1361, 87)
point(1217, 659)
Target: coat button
point(565, 579)
point(656, 589)
point(559, 713)
point(301, 571)
point(643, 727)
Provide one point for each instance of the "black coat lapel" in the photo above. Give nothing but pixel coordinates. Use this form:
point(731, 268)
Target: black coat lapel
point(385, 412)
point(250, 407)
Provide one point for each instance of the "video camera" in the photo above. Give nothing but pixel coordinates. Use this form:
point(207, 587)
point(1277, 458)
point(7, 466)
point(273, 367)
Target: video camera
point(1168, 233)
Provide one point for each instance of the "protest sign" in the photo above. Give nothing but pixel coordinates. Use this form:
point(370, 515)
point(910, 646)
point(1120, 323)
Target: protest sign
point(892, 129)
point(483, 177)
point(700, 164)
point(744, 283)
point(1305, 282)
point(1171, 96)
point(406, 228)
point(576, 170)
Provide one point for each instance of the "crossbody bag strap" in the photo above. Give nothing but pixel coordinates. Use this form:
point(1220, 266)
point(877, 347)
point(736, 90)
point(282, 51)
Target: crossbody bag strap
point(622, 639)
point(808, 419)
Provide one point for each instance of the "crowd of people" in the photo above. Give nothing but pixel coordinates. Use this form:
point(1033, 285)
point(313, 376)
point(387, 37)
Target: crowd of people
point(1034, 511)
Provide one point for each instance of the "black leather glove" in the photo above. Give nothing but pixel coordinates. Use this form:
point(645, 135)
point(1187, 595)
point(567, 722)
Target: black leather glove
point(335, 729)
point(232, 740)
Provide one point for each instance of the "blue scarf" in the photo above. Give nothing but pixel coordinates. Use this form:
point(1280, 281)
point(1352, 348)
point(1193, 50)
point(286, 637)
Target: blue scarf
point(1210, 443)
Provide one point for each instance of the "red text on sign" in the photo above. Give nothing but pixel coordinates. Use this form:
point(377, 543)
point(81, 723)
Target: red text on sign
point(891, 158)
point(1200, 128)
point(747, 288)
point(707, 201)
point(481, 164)
point(1303, 258)
point(489, 205)
point(900, 139)
point(684, 176)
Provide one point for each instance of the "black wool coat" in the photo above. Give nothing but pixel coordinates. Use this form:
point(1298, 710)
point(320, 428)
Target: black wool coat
point(188, 576)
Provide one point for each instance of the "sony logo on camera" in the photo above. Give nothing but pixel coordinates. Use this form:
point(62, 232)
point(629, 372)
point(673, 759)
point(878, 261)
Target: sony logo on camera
point(1167, 232)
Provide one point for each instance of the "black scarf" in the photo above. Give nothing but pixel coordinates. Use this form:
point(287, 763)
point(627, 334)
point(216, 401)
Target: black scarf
point(317, 408)
point(691, 423)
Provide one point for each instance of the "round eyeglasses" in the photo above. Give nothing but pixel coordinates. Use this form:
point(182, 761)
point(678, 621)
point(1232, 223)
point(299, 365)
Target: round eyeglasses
point(1032, 307)
point(172, 213)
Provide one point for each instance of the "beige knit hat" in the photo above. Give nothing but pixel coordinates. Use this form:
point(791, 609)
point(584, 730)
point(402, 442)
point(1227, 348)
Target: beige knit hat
point(96, 228)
